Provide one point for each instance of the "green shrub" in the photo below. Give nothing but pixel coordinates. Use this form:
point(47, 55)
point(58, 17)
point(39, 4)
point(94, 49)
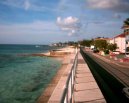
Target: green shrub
point(106, 51)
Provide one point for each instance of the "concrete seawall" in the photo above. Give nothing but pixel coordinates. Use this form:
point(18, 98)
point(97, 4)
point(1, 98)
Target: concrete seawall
point(59, 90)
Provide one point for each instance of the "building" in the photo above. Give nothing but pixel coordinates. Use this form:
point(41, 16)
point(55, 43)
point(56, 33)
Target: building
point(126, 32)
point(120, 41)
point(111, 41)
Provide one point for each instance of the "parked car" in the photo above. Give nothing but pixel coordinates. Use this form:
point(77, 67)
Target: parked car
point(95, 50)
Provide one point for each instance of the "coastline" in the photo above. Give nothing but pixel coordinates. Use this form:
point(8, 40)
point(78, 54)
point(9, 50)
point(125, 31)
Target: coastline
point(56, 52)
point(61, 55)
point(51, 86)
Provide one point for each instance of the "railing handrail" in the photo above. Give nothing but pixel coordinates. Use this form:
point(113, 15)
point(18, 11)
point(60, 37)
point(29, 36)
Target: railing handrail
point(65, 92)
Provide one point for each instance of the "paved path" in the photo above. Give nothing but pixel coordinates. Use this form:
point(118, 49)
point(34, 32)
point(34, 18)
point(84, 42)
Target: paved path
point(119, 71)
point(86, 89)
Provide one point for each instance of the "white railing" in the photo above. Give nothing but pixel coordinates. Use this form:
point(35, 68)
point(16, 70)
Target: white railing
point(68, 96)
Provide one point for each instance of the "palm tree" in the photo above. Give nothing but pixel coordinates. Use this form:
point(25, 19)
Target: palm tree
point(126, 22)
point(126, 26)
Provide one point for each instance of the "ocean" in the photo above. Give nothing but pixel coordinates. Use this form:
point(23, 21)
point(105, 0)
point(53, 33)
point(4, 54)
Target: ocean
point(23, 78)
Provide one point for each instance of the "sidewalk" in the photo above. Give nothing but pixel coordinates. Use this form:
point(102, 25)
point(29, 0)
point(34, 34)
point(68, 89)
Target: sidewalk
point(86, 88)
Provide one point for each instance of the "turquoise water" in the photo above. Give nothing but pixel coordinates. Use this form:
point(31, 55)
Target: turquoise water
point(23, 78)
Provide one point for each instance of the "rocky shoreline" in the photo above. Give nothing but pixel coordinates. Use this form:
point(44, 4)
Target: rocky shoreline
point(61, 55)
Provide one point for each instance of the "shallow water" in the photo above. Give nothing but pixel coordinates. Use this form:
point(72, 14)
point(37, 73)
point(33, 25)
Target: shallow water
point(23, 78)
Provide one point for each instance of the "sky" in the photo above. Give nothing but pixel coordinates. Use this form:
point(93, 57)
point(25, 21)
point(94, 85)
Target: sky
point(51, 21)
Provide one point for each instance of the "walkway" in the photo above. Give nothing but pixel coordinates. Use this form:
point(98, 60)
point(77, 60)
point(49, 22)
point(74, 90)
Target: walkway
point(83, 90)
point(86, 89)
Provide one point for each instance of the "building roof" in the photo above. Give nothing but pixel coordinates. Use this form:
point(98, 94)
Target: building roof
point(120, 35)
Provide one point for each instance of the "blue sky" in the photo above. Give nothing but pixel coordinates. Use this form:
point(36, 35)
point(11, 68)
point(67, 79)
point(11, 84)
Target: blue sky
point(49, 21)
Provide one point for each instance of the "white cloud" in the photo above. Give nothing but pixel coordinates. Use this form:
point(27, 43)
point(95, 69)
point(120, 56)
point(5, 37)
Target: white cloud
point(67, 21)
point(117, 16)
point(27, 4)
point(71, 33)
point(70, 24)
point(36, 27)
point(116, 5)
point(102, 3)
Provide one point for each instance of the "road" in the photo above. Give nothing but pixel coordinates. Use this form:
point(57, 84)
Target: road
point(119, 71)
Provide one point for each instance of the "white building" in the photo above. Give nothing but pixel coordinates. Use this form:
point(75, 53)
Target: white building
point(120, 40)
point(111, 41)
point(126, 32)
